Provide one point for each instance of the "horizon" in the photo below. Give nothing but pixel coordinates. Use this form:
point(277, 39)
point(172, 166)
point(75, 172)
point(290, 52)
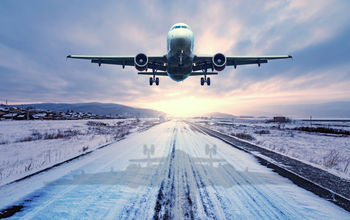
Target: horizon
point(37, 37)
point(209, 114)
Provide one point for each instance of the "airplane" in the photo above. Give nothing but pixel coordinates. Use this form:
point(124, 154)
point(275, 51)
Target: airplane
point(179, 62)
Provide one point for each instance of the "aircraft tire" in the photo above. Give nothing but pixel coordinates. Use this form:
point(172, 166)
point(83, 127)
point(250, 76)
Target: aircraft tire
point(202, 81)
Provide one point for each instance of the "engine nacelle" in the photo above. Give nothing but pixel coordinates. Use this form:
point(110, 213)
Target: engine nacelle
point(141, 61)
point(219, 61)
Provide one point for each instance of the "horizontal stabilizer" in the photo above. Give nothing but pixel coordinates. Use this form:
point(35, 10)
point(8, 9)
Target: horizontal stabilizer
point(151, 73)
point(201, 73)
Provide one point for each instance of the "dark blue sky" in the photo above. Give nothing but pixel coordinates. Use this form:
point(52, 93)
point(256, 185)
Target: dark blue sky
point(36, 36)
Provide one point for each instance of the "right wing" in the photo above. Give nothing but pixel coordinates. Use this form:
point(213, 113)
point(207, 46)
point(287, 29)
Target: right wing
point(154, 62)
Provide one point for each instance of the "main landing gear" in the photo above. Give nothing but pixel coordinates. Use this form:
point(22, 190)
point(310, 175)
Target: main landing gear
point(154, 79)
point(205, 79)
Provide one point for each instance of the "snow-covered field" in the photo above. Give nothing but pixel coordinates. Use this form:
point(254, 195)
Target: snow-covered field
point(330, 152)
point(168, 171)
point(29, 146)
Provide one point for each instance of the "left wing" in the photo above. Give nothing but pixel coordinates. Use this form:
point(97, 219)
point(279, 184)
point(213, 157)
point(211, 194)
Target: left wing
point(154, 62)
point(244, 60)
point(206, 62)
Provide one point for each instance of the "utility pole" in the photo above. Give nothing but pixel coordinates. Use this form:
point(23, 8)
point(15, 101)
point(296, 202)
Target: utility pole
point(310, 120)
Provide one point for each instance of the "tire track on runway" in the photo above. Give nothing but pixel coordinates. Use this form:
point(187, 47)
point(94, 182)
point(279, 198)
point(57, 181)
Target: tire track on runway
point(142, 203)
point(256, 197)
point(175, 197)
point(166, 192)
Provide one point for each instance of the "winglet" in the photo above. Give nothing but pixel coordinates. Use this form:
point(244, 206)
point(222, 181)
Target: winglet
point(290, 56)
point(69, 56)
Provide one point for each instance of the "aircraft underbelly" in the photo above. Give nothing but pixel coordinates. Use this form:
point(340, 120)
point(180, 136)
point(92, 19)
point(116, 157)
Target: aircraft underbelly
point(179, 72)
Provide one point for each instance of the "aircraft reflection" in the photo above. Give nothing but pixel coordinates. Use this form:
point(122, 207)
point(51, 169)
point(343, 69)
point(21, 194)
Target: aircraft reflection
point(151, 171)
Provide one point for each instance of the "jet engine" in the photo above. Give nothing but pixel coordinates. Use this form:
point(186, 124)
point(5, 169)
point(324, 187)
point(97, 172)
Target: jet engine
point(219, 61)
point(141, 61)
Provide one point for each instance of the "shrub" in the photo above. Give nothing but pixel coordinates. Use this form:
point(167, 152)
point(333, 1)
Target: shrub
point(347, 161)
point(331, 159)
point(323, 130)
point(96, 123)
point(4, 142)
point(244, 136)
point(260, 132)
point(85, 148)
point(50, 135)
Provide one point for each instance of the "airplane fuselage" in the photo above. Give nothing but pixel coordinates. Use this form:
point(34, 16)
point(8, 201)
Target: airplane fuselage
point(180, 42)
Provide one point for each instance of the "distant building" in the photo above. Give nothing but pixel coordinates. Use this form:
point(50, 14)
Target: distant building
point(17, 113)
point(280, 119)
point(48, 117)
point(39, 116)
point(2, 113)
point(20, 117)
point(10, 115)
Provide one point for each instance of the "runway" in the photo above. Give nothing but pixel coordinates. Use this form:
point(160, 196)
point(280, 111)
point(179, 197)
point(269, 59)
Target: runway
point(168, 171)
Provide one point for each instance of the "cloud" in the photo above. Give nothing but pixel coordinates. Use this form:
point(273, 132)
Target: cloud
point(36, 37)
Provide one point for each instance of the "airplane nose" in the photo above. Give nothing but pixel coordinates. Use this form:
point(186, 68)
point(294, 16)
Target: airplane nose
point(181, 38)
point(180, 33)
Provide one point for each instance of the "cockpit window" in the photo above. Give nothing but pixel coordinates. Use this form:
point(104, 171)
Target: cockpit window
point(179, 26)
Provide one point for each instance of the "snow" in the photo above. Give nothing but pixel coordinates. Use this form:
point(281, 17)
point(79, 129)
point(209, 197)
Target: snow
point(9, 115)
point(187, 175)
point(312, 148)
point(30, 146)
point(39, 115)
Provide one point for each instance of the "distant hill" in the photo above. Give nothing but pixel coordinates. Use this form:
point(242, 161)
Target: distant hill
point(220, 115)
point(323, 110)
point(97, 108)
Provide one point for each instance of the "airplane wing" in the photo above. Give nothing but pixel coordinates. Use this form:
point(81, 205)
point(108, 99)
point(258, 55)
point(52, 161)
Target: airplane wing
point(156, 62)
point(206, 62)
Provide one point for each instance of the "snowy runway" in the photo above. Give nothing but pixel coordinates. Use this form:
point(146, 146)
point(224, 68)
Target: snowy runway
point(166, 171)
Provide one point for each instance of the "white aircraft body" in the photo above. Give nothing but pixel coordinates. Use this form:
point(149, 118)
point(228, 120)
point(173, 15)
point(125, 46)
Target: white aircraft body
point(179, 62)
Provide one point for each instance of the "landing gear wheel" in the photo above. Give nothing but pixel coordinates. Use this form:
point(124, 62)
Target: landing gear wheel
point(150, 81)
point(157, 81)
point(202, 81)
point(208, 81)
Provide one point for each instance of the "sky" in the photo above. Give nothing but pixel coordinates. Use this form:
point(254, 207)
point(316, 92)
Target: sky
point(36, 36)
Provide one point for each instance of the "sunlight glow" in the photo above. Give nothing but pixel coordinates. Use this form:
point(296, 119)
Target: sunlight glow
point(186, 106)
